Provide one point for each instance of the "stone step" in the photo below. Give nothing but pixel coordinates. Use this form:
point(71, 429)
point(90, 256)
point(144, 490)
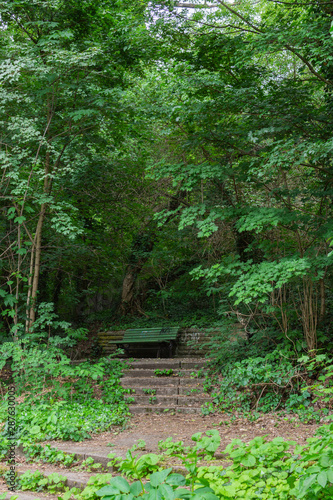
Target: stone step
point(156, 363)
point(190, 391)
point(176, 400)
point(24, 495)
point(150, 372)
point(137, 409)
point(176, 364)
point(149, 381)
point(192, 400)
point(158, 391)
point(74, 479)
point(196, 382)
point(154, 400)
point(193, 364)
point(169, 391)
point(154, 382)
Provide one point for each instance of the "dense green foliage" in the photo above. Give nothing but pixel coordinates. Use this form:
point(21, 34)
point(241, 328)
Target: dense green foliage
point(169, 162)
point(162, 161)
point(64, 401)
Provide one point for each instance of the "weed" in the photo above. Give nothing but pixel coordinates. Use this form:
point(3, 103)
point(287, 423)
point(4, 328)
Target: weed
point(149, 391)
point(164, 373)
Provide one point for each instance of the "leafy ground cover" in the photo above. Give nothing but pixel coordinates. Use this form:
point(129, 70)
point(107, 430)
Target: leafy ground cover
point(56, 399)
point(276, 469)
point(280, 379)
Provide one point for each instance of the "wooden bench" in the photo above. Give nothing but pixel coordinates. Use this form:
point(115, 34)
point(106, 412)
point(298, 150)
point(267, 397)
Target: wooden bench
point(159, 335)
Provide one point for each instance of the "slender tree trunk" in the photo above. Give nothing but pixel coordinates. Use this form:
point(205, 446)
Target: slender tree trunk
point(36, 269)
point(322, 299)
point(36, 253)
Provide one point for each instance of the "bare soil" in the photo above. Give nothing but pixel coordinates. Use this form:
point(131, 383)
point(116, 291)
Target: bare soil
point(153, 428)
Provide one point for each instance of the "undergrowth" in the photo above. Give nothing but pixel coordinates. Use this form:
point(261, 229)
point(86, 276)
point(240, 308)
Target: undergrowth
point(260, 469)
point(54, 398)
point(281, 379)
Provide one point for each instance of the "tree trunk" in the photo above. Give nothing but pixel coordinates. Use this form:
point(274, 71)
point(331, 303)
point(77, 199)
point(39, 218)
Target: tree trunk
point(141, 251)
point(36, 252)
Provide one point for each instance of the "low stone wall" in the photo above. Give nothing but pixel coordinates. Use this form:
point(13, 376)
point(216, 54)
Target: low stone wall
point(192, 342)
point(105, 337)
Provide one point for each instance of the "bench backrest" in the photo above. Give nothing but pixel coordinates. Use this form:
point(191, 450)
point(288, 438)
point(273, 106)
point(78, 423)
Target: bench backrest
point(157, 334)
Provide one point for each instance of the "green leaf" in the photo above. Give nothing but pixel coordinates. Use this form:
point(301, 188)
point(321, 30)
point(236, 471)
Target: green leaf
point(158, 477)
point(305, 484)
point(322, 478)
point(136, 488)
point(176, 480)
point(196, 436)
point(182, 493)
point(121, 484)
point(35, 429)
point(249, 461)
point(166, 491)
point(204, 496)
point(154, 494)
point(107, 490)
point(330, 475)
point(20, 219)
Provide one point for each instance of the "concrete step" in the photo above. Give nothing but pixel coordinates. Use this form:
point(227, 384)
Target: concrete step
point(154, 382)
point(196, 382)
point(192, 400)
point(169, 391)
point(185, 390)
point(24, 495)
point(150, 372)
point(193, 364)
point(174, 401)
point(137, 409)
point(154, 400)
point(157, 391)
point(149, 381)
point(179, 363)
point(156, 363)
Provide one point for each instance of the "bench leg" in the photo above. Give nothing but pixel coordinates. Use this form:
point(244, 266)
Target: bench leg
point(127, 350)
point(158, 355)
point(170, 348)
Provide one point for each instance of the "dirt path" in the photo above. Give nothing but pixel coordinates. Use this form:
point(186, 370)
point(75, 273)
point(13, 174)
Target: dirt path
point(153, 428)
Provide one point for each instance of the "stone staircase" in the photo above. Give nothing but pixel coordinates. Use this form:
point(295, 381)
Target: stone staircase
point(181, 392)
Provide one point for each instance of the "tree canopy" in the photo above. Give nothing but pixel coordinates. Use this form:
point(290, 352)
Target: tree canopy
point(168, 160)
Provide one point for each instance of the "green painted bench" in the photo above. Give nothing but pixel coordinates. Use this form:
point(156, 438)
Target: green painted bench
point(160, 335)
